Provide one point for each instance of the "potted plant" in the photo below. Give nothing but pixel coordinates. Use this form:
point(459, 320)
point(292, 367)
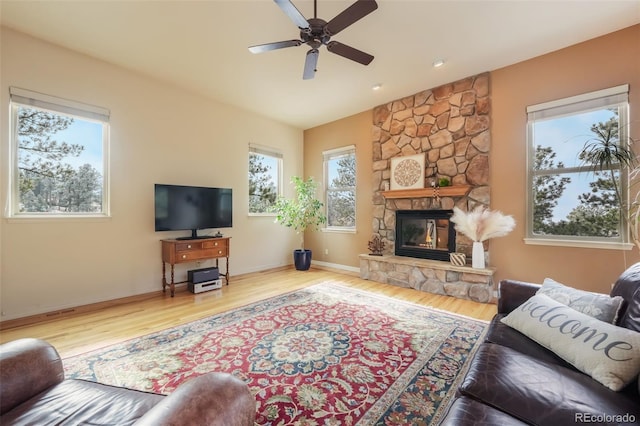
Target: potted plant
point(605, 153)
point(301, 212)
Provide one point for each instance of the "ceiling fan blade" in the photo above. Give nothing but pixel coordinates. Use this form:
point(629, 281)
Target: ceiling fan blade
point(273, 46)
point(349, 52)
point(293, 13)
point(310, 64)
point(353, 13)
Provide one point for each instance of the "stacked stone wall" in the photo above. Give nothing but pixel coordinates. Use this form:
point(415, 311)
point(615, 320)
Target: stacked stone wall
point(430, 276)
point(451, 125)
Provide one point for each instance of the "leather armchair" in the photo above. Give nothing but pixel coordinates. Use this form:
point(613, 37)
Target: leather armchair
point(33, 390)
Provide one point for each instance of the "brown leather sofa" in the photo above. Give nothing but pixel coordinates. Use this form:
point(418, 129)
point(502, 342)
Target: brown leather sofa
point(33, 391)
point(514, 381)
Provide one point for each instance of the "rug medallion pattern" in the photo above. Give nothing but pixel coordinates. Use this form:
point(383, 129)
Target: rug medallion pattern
point(327, 355)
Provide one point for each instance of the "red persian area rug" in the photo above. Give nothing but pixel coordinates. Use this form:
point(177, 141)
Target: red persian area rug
point(325, 355)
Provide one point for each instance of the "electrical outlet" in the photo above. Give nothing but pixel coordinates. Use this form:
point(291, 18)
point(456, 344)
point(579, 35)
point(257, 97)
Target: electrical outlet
point(326, 252)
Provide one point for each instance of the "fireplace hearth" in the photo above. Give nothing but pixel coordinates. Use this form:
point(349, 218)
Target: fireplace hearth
point(425, 234)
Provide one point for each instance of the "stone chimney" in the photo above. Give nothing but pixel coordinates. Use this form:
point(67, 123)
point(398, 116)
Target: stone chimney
point(451, 125)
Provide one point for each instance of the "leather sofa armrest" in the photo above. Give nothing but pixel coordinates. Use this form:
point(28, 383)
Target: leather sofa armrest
point(27, 367)
point(211, 399)
point(512, 294)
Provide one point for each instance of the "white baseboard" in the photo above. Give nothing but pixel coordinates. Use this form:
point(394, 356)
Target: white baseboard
point(336, 266)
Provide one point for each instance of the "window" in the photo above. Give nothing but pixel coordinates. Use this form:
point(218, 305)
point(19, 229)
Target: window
point(340, 184)
point(265, 179)
point(59, 157)
point(572, 201)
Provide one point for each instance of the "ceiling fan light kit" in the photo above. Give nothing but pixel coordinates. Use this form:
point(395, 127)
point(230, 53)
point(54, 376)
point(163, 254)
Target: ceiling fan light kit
point(316, 32)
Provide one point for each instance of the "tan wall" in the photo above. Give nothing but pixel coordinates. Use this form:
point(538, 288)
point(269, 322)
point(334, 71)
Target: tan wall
point(162, 134)
point(596, 64)
point(159, 134)
point(343, 248)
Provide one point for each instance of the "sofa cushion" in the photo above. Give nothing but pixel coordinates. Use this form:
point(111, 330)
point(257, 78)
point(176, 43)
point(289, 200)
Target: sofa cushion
point(631, 317)
point(538, 392)
point(609, 354)
point(599, 306)
point(627, 286)
point(501, 334)
point(83, 402)
point(467, 411)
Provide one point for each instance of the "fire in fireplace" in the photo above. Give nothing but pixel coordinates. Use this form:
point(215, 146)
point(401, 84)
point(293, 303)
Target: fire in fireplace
point(427, 234)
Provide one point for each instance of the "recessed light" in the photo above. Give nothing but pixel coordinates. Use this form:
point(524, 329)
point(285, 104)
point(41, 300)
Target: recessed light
point(438, 63)
point(376, 86)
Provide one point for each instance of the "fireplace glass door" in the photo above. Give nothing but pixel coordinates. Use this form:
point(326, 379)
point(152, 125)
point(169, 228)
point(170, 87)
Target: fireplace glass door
point(426, 234)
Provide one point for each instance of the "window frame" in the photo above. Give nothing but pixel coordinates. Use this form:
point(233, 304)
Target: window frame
point(65, 107)
point(327, 156)
point(593, 101)
point(269, 152)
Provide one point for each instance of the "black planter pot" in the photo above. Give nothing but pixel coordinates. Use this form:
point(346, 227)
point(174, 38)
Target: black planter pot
point(302, 259)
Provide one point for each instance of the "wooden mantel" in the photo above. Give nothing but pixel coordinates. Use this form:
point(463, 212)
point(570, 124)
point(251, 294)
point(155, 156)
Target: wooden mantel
point(443, 191)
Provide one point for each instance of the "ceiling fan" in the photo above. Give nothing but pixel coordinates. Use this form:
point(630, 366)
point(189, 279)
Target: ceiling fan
point(316, 32)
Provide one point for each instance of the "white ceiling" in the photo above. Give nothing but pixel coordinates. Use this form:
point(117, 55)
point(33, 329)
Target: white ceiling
point(202, 45)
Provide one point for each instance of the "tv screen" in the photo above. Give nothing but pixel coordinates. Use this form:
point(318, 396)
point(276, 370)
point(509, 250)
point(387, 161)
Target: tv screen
point(179, 208)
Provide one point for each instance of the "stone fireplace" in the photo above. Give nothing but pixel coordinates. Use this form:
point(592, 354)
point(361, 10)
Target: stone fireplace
point(425, 234)
point(450, 125)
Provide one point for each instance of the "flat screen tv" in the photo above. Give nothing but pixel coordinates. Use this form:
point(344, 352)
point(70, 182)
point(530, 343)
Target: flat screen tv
point(179, 208)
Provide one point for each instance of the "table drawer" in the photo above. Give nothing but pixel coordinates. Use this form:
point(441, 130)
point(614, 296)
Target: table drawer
point(222, 251)
point(188, 246)
point(216, 244)
point(190, 255)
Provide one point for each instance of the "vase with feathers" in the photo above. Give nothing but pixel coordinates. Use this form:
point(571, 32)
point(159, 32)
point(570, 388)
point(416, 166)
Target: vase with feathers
point(479, 225)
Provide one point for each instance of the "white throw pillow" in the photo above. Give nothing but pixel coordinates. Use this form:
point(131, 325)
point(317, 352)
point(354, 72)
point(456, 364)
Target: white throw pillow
point(609, 354)
point(599, 306)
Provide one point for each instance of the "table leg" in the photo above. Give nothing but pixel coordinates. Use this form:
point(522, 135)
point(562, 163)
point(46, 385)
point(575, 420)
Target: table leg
point(227, 271)
point(164, 278)
point(173, 286)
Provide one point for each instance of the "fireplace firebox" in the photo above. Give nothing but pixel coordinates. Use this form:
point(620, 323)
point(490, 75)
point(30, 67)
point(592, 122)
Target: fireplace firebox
point(426, 234)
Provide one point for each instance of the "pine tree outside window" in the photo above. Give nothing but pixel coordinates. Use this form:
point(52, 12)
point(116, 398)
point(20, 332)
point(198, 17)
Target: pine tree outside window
point(265, 179)
point(59, 157)
point(569, 201)
point(340, 187)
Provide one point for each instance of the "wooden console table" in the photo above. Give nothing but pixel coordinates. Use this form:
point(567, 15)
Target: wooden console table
point(184, 251)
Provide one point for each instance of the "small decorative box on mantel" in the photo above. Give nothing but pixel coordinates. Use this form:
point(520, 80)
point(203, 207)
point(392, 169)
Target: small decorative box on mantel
point(458, 259)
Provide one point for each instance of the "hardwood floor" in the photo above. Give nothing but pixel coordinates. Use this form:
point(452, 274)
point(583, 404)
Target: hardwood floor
point(80, 332)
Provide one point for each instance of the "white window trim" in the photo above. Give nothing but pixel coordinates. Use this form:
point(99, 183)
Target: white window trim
point(62, 106)
point(272, 152)
point(338, 230)
point(599, 99)
point(327, 155)
point(564, 242)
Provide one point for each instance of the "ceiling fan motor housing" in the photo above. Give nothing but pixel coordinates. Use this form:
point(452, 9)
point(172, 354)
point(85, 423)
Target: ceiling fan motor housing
point(315, 35)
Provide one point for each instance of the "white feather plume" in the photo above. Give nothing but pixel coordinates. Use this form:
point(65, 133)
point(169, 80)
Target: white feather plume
point(482, 224)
